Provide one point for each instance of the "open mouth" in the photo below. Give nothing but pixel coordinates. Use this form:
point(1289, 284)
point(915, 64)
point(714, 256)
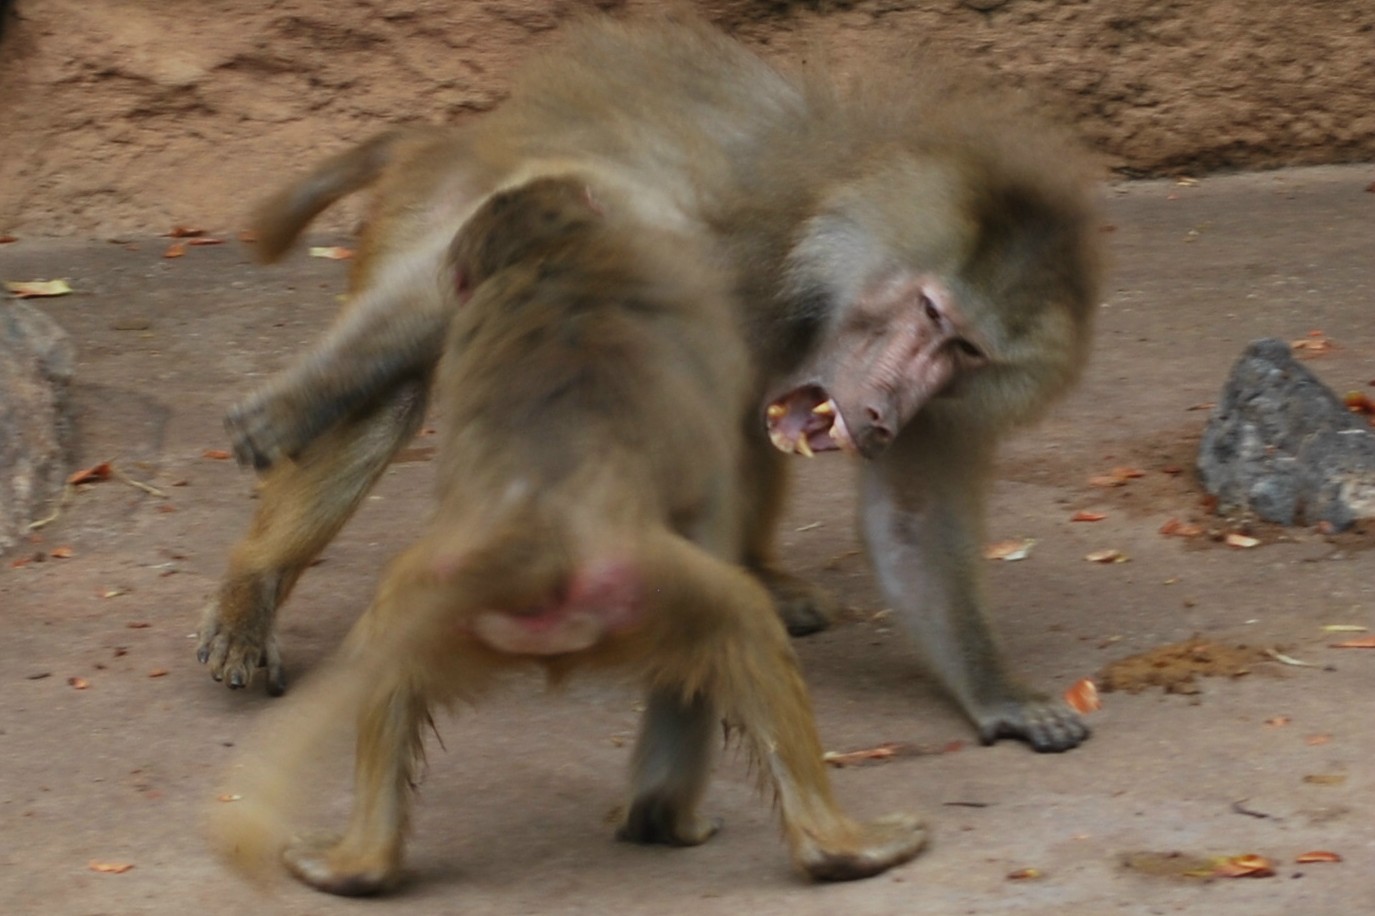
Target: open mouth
point(805, 421)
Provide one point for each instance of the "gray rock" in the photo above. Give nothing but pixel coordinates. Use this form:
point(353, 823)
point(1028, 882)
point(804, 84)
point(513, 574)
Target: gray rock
point(1283, 444)
point(36, 360)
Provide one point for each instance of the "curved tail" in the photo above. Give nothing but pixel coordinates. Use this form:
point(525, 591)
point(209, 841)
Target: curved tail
point(280, 219)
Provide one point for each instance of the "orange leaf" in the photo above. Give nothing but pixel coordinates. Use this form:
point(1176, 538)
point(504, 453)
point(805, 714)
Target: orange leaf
point(92, 474)
point(1175, 528)
point(1083, 515)
point(1082, 696)
point(62, 553)
point(216, 454)
point(158, 672)
point(1317, 855)
point(1360, 642)
point(1244, 866)
point(183, 232)
point(6, 239)
point(78, 683)
point(1023, 874)
point(175, 250)
point(1315, 740)
point(197, 242)
point(1277, 720)
point(111, 868)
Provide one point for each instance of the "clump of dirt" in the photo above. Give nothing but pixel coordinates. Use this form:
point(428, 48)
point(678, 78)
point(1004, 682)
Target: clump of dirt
point(1176, 667)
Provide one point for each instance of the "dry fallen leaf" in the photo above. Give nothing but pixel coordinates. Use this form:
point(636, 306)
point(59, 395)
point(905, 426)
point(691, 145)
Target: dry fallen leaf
point(95, 472)
point(1107, 555)
point(175, 250)
point(1360, 642)
point(6, 239)
point(1082, 696)
point(1315, 344)
point(1243, 866)
point(1289, 660)
point(1175, 528)
point(1241, 540)
point(1009, 551)
point(78, 683)
point(1117, 477)
point(227, 797)
point(183, 232)
point(33, 289)
point(1317, 740)
point(1325, 779)
point(333, 253)
point(847, 758)
point(1317, 855)
point(62, 553)
point(158, 672)
point(1277, 720)
point(1023, 874)
point(110, 868)
point(1083, 515)
point(198, 242)
point(216, 454)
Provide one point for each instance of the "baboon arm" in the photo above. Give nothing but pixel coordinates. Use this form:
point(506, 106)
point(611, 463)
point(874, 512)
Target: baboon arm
point(922, 507)
point(394, 329)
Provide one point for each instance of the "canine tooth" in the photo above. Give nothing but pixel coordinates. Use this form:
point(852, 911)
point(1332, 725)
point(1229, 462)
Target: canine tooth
point(803, 449)
point(825, 409)
point(776, 411)
point(781, 442)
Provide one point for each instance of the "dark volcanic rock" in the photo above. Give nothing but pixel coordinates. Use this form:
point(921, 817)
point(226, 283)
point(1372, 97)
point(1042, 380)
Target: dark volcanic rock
point(1283, 444)
point(35, 366)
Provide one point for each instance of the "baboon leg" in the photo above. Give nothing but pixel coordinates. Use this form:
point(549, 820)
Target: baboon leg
point(744, 666)
point(301, 507)
point(414, 661)
point(367, 858)
point(922, 517)
point(805, 608)
point(670, 770)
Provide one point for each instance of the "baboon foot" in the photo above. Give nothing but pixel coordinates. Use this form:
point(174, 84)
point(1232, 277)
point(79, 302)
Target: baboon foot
point(804, 607)
point(652, 822)
point(869, 849)
point(233, 654)
point(324, 864)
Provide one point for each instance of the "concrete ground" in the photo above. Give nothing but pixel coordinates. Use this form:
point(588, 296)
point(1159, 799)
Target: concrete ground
point(513, 815)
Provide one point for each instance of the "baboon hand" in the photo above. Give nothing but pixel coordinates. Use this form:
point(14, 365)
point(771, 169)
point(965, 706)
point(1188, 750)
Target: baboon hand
point(1048, 725)
point(259, 437)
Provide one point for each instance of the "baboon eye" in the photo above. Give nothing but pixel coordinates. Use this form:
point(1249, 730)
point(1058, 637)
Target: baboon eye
point(932, 313)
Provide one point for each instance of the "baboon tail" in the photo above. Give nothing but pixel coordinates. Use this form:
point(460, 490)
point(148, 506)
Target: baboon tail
point(281, 218)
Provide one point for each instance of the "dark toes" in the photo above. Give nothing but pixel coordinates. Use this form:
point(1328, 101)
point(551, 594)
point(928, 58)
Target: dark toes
point(1049, 727)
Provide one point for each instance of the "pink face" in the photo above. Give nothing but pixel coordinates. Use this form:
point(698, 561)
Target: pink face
point(899, 344)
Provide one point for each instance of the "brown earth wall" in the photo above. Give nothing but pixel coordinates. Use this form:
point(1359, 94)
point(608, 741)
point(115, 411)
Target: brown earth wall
point(128, 115)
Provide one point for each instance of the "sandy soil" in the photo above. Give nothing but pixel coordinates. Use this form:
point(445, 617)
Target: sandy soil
point(513, 817)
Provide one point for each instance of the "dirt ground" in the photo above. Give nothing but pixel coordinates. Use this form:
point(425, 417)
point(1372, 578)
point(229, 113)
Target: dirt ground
point(118, 767)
